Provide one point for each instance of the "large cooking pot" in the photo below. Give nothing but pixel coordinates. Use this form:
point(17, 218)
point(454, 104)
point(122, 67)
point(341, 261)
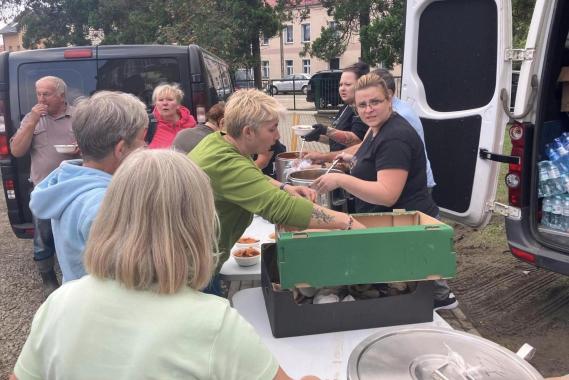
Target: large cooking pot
point(431, 353)
point(283, 163)
point(335, 199)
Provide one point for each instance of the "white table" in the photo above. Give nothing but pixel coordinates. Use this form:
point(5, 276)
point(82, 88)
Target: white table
point(323, 355)
point(231, 271)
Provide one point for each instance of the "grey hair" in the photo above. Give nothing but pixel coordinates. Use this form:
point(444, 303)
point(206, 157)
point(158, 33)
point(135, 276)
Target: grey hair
point(58, 83)
point(168, 88)
point(250, 107)
point(104, 119)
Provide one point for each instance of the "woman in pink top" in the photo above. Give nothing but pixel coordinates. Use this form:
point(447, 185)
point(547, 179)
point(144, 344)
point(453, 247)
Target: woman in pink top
point(170, 115)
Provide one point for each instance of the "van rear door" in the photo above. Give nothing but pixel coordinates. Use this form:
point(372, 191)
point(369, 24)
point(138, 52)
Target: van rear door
point(454, 69)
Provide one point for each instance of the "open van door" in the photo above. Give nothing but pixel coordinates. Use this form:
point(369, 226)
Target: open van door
point(455, 66)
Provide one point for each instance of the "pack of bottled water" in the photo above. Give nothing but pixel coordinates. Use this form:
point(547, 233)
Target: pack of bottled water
point(553, 184)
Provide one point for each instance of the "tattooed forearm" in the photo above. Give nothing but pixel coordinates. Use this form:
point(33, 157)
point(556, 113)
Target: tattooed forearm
point(321, 216)
point(343, 137)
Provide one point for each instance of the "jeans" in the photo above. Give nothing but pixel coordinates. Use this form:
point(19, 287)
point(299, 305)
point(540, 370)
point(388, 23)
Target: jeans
point(214, 287)
point(44, 247)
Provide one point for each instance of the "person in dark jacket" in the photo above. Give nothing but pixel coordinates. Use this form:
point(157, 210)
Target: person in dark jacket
point(347, 128)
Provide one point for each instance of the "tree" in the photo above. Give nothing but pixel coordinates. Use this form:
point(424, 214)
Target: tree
point(378, 23)
point(522, 11)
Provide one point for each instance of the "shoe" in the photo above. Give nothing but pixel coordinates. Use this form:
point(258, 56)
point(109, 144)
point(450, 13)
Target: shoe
point(50, 282)
point(446, 304)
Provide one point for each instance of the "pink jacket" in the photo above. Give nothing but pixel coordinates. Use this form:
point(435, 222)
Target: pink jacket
point(166, 131)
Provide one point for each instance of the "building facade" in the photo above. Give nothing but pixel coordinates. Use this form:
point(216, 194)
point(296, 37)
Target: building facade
point(282, 58)
point(12, 38)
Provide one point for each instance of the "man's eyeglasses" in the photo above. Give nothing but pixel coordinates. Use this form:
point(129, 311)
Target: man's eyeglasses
point(372, 103)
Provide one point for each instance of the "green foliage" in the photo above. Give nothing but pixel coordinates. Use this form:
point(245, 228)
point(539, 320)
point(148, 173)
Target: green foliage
point(378, 23)
point(521, 17)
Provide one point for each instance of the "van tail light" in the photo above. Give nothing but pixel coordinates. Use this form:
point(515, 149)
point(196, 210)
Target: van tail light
point(10, 188)
point(78, 53)
point(199, 99)
point(514, 177)
point(4, 145)
point(523, 255)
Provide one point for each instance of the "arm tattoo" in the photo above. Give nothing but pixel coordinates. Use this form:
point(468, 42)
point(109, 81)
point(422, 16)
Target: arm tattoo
point(321, 216)
point(343, 137)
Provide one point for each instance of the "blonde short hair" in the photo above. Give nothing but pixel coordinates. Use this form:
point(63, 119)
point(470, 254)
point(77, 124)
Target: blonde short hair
point(168, 89)
point(250, 107)
point(372, 80)
point(157, 226)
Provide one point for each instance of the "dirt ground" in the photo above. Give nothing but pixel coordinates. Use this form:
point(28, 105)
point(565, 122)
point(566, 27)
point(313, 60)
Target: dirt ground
point(508, 301)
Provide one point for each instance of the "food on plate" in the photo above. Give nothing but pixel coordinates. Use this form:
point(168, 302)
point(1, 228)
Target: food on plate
point(247, 240)
point(246, 252)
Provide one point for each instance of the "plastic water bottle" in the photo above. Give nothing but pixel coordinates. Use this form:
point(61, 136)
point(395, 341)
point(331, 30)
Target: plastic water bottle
point(546, 212)
point(543, 186)
point(555, 179)
point(563, 160)
point(565, 182)
point(554, 157)
point(566, 213)
point(556, 220)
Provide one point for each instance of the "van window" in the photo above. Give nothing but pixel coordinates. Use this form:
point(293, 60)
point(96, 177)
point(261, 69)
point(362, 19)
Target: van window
point(458, 48)
point(80, 77)
point(215, 78)
point(138, 76)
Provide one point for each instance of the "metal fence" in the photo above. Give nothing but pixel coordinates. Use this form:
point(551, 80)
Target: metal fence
point(321, 94)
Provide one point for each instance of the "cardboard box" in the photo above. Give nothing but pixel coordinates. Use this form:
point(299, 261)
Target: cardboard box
point(564, 80)
point(290, 319)
point(397, 246)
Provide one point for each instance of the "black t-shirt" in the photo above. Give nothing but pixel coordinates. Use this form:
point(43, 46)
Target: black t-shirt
point(347, 120)
point(277, 148)
point(396, 146)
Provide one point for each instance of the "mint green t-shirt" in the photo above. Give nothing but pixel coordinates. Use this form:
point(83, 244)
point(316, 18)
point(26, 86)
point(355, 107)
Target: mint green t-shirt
point(241, 190)
point(97, 329)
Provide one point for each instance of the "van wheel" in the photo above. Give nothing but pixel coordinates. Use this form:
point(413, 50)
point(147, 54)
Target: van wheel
point(304, 89)
point(274, 90)
point(322, 104)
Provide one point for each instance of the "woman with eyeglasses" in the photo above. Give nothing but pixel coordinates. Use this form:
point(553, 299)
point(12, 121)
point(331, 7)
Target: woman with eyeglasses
point(388, 170)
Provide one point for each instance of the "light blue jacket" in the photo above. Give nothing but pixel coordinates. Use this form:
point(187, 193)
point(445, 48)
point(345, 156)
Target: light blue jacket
point(408, 114)
point(70, 196)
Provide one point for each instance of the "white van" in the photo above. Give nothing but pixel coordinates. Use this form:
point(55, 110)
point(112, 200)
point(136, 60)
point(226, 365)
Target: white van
point(457, 75)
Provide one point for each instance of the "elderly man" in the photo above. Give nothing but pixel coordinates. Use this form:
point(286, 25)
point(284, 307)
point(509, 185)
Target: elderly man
point(107, 126)
point(48, 124)
point(240, 188)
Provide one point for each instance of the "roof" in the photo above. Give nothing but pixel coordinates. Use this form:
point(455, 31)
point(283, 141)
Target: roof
point(10, 28)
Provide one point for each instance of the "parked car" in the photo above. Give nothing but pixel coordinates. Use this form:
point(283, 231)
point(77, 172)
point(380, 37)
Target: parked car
point(459, 82)
point(290, 83)
point(136, 69)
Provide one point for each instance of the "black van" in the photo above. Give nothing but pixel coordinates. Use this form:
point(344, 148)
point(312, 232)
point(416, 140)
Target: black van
point(135, 69)
point(457, 74)
point(323, 89)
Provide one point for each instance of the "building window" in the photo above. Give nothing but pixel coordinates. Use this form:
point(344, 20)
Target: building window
point(305, 32)
point(264, 40)
point(287, 34)
point(265, 69)
point(288, 65)
point(306, 66)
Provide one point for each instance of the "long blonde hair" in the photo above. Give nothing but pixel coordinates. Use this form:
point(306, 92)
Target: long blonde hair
point(157, 226)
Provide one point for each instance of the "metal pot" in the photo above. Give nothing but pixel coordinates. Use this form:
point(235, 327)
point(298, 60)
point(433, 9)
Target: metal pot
point(431, 353)
point(335, 199)
point(283, 162)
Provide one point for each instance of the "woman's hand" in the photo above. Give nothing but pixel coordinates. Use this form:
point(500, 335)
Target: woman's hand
point(327, 182)
point(301, 191)
point(345, 157)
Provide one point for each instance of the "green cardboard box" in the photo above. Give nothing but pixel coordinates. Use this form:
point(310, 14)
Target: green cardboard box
point(396, 246)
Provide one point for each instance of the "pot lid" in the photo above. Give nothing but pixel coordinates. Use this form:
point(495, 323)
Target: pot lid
point(435, 354)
